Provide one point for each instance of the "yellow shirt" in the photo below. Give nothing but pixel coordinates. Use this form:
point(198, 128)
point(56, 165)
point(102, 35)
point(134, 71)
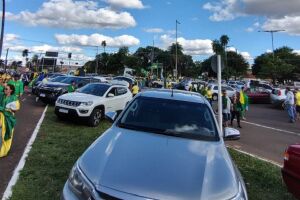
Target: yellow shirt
point(135, 89)
point(209, 94)
point(298, 99)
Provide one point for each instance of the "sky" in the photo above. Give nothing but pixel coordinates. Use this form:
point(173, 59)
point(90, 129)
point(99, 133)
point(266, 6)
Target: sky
point(80, 26)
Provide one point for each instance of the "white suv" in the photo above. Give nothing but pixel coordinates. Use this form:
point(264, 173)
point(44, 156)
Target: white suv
point(92, 102)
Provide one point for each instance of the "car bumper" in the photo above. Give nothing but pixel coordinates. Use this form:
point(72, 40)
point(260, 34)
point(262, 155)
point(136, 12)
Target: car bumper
point(78, 112)
point(67, 193)
point(292, 183)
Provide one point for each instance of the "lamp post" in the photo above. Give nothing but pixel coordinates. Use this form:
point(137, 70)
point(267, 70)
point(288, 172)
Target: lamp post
point(272, 37)
point(2, 26)
point(176, 59)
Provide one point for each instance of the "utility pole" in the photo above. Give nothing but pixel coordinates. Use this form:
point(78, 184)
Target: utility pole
point(272, 37)
point(5, 65)
point(96, 60)
point(176, 59)
point(2, 26)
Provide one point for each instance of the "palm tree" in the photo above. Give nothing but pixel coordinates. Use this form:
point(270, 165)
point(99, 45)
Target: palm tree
point(25, 54)
point(2, 26)
point(224, 40)
point(104, 45)
point(217, 47)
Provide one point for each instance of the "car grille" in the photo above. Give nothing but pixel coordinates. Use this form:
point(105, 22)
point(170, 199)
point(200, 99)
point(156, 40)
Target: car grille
point(107, 196)
point(69, 103)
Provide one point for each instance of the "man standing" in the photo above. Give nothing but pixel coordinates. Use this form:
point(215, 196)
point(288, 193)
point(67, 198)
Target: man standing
point(135, 89)
point(226, 102)
point(72, 87)
point(289, 104)
point(297, 98)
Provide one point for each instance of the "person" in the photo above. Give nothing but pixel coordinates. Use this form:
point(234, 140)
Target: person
point(72, 87)
point(226, 102)
point(289, 104)
point(244, 101)
point(297, 98)
point(236, 109)
point(209, 94)
point(18, 85)
point(135, 89)
point(1, 86)
point(9, 104)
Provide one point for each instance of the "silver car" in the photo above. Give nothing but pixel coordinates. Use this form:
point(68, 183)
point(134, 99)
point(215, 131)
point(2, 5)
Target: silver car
point(164, 145)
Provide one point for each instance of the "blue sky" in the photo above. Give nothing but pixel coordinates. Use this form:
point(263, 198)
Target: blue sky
point(69, 25)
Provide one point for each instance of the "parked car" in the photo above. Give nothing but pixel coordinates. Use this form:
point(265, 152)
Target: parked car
point(49, 92)
point(214, 88)
point(92, 101)
point(164, 145)
point(236, 84)
point(258, 96)
point(36, 86)
point(277, 96)
point(291, 169)
point(122, 80)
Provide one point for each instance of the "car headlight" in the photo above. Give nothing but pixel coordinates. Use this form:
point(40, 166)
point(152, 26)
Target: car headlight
point(79, 184)
point(89, 103)
point(242, 193)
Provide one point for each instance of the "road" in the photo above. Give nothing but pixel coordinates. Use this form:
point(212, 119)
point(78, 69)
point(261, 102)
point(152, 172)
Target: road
point(267, 133)
point(27, 118)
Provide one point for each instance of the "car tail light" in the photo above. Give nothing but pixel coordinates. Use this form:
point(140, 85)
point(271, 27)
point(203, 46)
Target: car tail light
point(279, 93)
point(286, 156)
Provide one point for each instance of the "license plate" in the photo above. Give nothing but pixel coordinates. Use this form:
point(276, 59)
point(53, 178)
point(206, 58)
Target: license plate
point(42, 95)
point(63, 110)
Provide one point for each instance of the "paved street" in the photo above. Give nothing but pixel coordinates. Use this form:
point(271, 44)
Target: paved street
point(27, 118)
point(267, 133)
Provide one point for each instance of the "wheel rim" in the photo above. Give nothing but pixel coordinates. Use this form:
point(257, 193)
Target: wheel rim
point(97, 117)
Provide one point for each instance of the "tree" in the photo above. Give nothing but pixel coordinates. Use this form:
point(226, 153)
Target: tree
point(224, 40)
point(103, 44)
point(237, 66)
point(25, 53)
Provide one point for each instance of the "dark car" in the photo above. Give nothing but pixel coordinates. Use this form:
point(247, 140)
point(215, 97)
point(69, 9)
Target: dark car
point(258, 96)
point(36, 86)
point(291, 169)
point(49, 92)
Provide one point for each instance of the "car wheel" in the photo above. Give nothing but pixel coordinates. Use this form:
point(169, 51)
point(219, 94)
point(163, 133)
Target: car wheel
point(95, 117)
point(215, 97)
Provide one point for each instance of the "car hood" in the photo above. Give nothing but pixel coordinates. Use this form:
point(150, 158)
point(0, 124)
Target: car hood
point(159, 167)
point(55, 84)
point(81, 97)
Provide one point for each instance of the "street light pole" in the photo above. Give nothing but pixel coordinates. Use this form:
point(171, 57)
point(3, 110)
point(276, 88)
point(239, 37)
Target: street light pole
point(176, 59)
point(2, 26)
point(5, 65)
point(272, 37)
point(96, 60)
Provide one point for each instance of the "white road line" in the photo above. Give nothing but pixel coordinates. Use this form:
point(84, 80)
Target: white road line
point(8, 191)
point(255, 156)
point(275, 129)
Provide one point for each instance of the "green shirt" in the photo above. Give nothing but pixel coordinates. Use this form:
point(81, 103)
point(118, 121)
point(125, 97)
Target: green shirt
point(71, 88)
point(1, 89)
point(19, 87)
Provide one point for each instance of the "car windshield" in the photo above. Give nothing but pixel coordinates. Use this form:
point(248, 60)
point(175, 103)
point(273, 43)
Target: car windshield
point(59, 79)
point(94, 89)
point(69, 80)
point(170, 117)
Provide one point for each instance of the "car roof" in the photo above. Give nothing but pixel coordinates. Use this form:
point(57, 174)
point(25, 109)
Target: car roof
point(178, 95)
point(110, 85)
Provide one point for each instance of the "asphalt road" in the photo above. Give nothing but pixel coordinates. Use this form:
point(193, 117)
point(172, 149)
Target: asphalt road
point(27, 118)
point(267, 132)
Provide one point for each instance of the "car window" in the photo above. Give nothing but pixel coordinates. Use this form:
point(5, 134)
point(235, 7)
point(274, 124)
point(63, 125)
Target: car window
point(121, 91)
point(216, 88)
point(163, 116)
point(113, 91)
point(94, 89)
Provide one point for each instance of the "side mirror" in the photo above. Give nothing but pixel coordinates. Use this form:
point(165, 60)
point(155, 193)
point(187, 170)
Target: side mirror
point(111, 116)
point(110, 95)
point(231, 134)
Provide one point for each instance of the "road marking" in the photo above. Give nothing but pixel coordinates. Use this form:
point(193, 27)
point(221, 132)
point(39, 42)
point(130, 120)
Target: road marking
point(275, 129)
point(8, 191)
point(255, 156)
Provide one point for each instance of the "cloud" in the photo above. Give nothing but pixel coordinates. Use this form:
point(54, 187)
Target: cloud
point(246, 55)
point(250, 29)
point(287, 23)
point(223, 10)
point(296, 51)
point(96, 40)
point(190, 47)
point(137, 4)
point(10, 37)
point(154, 30)
point(74, 15)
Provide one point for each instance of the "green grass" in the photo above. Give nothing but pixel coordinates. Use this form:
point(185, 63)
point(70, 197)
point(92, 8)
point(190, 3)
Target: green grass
point(59, 144)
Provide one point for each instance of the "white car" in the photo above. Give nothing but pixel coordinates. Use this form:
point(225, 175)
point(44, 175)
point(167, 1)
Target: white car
point(214, 88)
point(92, 101)
point(277, 96)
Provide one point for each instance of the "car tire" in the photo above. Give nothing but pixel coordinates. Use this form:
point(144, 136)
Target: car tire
point(215, 97)
point(95, 117)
